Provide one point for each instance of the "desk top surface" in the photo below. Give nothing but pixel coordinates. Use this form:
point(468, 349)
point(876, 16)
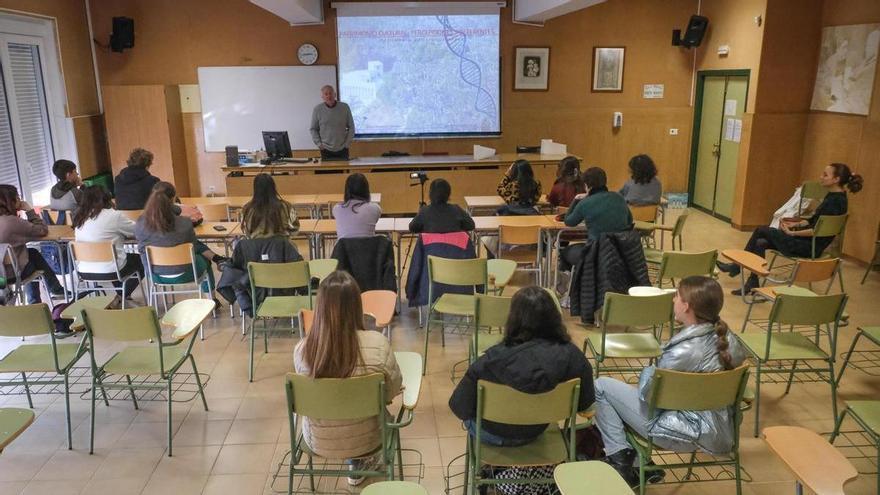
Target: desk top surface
point(403, 162)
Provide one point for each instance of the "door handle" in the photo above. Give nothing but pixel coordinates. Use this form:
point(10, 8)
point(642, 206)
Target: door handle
point(716, 149)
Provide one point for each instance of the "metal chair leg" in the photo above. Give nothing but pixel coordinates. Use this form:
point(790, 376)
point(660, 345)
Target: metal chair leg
point(192, 361)
point(27, 390)
point(848, 355)
point(131, 391)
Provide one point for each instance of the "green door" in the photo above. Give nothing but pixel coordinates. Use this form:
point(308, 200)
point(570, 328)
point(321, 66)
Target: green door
point(720, 107)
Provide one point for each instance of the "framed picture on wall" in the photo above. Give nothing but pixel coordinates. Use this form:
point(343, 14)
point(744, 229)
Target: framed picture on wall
point(608, 69)
point(532, 68)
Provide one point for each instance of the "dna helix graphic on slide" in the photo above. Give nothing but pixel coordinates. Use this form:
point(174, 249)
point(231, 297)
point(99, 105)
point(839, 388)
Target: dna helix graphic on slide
point(469, 70)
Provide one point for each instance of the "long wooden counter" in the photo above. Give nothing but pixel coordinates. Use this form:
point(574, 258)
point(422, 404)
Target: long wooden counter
point(390, 176)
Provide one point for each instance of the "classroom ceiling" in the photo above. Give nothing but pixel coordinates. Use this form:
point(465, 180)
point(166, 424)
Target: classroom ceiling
point(296, 12)
point(538, 11)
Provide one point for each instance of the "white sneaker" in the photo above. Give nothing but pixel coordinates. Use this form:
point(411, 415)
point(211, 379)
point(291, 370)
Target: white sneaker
point(368, 464)
point(565, 302)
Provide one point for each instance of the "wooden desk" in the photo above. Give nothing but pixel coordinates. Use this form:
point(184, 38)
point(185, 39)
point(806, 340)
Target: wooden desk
point(391, 176)
point(746, 261)
point(483, 203)
point(59, 233)
point(483, 224)
point(207, 231)
point(814, 462)
point(236, 202)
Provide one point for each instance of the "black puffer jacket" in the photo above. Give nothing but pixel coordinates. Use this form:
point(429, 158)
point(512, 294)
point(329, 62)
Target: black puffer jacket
point(370, 260)
point(614, 263)
point(533, 367)
point(234, 284)
point(133, 187)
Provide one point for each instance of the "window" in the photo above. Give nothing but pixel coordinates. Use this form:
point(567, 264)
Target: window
point(33, 129)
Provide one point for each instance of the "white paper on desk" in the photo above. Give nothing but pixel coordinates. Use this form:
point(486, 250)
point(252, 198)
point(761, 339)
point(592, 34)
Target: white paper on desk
point(482, 152)
point(548, 147)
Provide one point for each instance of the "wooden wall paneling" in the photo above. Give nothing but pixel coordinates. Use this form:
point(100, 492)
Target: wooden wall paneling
point(91, 145)
point(177, 141)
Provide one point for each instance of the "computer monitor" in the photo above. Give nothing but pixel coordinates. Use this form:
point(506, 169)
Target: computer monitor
point(277, 144)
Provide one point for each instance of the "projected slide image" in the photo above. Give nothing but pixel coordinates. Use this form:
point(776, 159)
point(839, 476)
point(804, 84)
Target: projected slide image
point(420, 74)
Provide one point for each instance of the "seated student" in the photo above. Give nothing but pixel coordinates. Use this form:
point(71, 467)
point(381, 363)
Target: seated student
point(66, 193)
point(794, 237)
point(568, 183)
point(97, 221)
point(643, 187)
point(535, 356)
point(338, 346)
point(356, 216)
point(159, 226)
point(601, 210)
point(134, 184)
point(519, 189)
point(267, 214)
point(441, 217)
point(17, 232)
point(705, 345)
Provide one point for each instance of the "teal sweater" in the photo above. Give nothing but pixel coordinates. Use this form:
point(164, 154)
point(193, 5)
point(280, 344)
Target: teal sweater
point(602, 212)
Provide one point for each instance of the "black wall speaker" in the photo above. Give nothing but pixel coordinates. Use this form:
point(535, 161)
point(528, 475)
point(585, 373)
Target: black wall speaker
point(232, 156)
point(694, 33)
point(122, 36)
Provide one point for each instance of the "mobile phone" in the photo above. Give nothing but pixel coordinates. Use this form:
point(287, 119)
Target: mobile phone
point(219, 228)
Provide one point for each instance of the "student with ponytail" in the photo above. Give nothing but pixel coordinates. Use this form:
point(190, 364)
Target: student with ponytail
point(705, 345)
point(794, 236)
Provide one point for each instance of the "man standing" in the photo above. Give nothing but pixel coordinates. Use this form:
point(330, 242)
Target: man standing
point(332, 126)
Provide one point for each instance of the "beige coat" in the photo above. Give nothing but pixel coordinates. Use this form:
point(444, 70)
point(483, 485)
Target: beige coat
point(343, 439)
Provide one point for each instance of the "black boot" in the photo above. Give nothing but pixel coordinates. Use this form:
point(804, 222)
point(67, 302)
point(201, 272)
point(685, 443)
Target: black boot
point(622, 462)
point(731, 269)
point(752, 283)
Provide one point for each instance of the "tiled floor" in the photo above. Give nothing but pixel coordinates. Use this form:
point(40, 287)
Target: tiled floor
point(234, 447)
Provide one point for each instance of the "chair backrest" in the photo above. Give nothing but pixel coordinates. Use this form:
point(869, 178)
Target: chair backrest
point(181, 254)
point(548, 407)
point(807, 310)
point(813, 190)
point(57, 217)
point(336, 398)
point(491, 311)
point(380, 304)
point(683, 391)
point(218, 212)
point(320, 268)
point(25, 321)
point(809, 271)
point(133, 215)
point(635, 311)
point(7, 257)
point(678, 228)
point(92, 251)
point(457, 272)
point(829, 225)
point(518, 235)
point(644, 213)
point(123, 325)
point(678, 264)
point(306, 318)
point(279, 275)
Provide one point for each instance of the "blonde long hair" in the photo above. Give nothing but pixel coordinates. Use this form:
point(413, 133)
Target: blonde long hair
point(331, 348)
point(705, 296)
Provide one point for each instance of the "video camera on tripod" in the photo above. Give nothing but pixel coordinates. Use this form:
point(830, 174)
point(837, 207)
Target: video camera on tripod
point(421, 177)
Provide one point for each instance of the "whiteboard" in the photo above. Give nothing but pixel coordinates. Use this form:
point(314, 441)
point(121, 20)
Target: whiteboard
point(238, 103)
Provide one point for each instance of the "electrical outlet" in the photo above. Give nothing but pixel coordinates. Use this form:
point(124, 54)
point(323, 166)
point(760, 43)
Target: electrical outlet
point(673, 132)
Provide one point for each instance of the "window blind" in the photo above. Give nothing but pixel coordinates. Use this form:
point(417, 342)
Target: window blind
point(33, 119)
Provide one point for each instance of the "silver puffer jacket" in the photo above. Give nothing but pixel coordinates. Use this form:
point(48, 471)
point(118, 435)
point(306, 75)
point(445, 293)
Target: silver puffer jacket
point(694, 350)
